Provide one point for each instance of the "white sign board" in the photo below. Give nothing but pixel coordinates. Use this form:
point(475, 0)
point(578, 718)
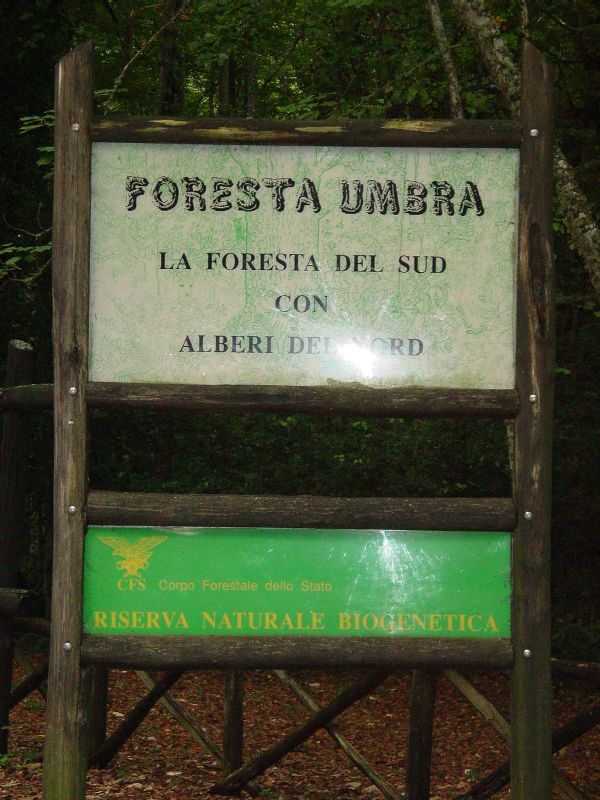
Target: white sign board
point(306, 266)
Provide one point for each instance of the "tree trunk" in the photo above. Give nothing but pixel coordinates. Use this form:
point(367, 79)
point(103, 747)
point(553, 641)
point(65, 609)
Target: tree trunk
point(439, 30)
point(172, 64)
point(224, 87)
point(571, 203)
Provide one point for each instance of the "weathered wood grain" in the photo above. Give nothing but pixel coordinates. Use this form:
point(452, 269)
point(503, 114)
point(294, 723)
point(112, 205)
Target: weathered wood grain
point(16, 601)
point(27, 397)
point(64, 760)
point(14, 459)
point(347, 400)
point(36, 679)
point(420, 735)
point(187, 721)
point(359, 761)
point(233, 721)
point(38, 626)
point(190, 724)
point(581, 670)
point(488, 710)
point(198, 510)
point(110, 747)
point(265, 652)
point(29, 668)
point(561, 737)
point(98, 710)
point(290, 741)
point(350, 133)
point(531, 681)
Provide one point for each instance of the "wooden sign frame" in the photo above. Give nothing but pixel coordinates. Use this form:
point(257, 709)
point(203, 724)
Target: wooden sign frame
point(73, 657)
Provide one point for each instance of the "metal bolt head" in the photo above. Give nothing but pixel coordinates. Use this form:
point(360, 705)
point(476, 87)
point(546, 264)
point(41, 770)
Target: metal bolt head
point(528, 515)
point(72, 509)
point(72, 390)
point(67, 647)
point(75, 127)
point(533, 398)
point(527, 653)
point(534, 132)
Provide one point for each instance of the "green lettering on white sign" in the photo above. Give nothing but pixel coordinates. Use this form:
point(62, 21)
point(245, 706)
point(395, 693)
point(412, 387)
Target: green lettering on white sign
point(275, 265)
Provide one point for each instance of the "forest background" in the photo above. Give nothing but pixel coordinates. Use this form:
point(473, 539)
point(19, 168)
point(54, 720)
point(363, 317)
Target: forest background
point(315, 59)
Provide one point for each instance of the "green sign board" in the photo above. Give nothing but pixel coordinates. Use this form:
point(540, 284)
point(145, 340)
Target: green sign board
point(303, 266)
point(290, 582)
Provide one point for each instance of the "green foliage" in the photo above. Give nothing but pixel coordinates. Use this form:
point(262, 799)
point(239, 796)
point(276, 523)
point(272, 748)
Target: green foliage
point(15, 259)
point(34, 122)
point(25, 262)
point(273, 454)
point(44, 122)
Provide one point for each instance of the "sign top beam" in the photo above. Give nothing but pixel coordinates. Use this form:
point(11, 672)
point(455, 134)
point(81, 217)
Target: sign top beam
point(348, 133)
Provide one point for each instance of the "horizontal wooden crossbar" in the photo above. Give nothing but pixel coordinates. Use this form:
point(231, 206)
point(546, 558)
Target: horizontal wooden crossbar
point(349, 401)
point(262, 652)
point(35, 625)
point(357, 133)
point(16, 601)
point(202, 510)
point(26, 398)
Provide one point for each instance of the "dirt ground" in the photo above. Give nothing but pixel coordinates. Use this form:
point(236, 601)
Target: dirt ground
point(162, 761)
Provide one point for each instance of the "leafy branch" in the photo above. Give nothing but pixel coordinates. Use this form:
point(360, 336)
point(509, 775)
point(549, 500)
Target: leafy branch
point(107, 104)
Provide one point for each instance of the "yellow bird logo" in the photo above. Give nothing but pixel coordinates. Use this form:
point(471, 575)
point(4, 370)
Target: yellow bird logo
point(135, 556)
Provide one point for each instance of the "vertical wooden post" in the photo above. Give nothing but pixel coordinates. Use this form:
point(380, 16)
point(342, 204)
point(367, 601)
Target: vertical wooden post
point(65, 757)
point(98, 708)
point(531, 680)
point(420, 735)
point(233, 693)
point(233, 721)
point(13, 469)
